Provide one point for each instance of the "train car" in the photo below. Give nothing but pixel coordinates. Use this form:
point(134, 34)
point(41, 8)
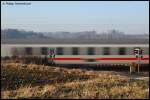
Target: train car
point(79, 51)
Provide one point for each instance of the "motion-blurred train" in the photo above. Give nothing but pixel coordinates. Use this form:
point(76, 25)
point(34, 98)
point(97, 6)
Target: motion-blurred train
point(79, 51)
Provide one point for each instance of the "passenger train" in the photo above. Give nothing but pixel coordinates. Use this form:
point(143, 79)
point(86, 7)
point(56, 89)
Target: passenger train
point(80, 52)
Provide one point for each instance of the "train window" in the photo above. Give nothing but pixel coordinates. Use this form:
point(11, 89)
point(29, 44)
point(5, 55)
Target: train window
point(28, 50)
point(14, 51)
point(59, 51)
point(90, 51)
point(75, 51)
point(44, 51)
point(147, 51)
point(122, 51)
point(106, 51)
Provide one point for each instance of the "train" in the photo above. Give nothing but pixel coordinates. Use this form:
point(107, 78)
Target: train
point(80, 52)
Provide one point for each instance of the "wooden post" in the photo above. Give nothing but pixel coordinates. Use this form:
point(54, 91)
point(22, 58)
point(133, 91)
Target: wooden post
point(133, 67)
point(138, 68)
point(130, 69)
point(138, 63)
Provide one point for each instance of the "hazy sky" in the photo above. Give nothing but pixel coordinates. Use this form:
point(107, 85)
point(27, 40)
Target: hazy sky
point(101, 16)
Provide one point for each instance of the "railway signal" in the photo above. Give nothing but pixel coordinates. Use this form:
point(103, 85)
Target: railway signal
point(138, 51)
point(139, 54)
point(51, 54)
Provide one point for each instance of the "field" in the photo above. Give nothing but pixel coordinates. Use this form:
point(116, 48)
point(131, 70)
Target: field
point(38, 81)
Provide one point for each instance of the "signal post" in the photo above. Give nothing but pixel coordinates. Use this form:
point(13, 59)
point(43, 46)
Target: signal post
point(138, 53)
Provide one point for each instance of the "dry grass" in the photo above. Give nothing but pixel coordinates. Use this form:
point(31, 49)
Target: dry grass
point(37, 81)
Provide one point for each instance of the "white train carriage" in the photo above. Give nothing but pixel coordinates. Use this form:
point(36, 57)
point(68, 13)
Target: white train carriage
point(83, 52)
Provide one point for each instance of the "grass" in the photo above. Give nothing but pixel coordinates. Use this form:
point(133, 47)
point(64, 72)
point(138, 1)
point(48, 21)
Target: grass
point(20, 81)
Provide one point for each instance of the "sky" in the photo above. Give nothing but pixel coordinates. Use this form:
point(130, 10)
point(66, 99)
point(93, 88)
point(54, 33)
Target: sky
point(130, 17)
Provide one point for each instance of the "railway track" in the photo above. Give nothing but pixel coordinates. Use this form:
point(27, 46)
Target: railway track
point(98, 67)
point(108, 67)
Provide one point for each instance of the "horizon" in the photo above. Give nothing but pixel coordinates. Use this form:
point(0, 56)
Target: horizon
point(106, 32)
point(130, 17)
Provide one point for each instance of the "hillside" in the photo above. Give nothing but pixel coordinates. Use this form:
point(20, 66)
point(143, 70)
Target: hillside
point(113, 34)
point(19, 34)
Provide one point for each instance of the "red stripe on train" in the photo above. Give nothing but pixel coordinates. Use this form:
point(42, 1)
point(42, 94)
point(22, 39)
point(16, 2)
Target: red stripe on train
point(121, 58)
point(65, 59)
point(98, 58)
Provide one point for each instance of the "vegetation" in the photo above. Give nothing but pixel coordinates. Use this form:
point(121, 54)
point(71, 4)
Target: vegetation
point(38, 81)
